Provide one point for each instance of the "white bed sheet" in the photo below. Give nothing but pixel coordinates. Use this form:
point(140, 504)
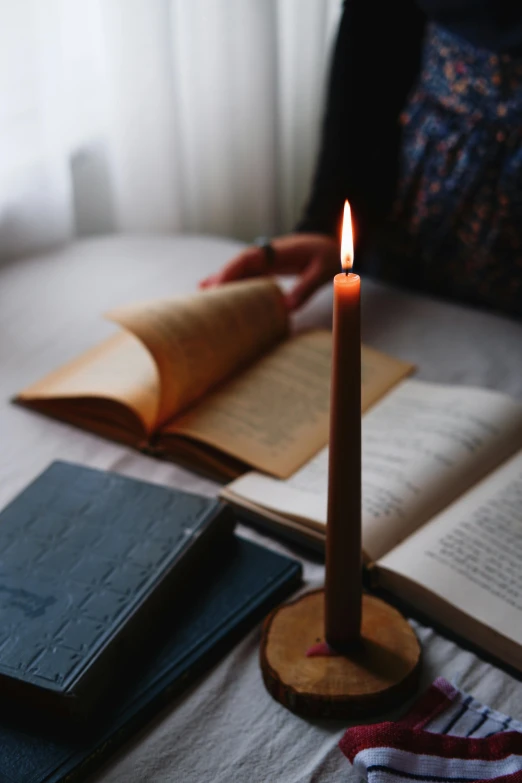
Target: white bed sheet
point(226, 728)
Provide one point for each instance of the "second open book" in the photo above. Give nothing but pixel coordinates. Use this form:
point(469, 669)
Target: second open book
point(442, 507)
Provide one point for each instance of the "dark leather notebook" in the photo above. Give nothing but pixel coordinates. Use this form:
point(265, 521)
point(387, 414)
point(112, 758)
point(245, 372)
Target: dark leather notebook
point(91, 567)
point(237, 593)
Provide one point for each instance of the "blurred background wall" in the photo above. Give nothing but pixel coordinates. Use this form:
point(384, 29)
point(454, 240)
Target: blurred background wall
point(158, 116)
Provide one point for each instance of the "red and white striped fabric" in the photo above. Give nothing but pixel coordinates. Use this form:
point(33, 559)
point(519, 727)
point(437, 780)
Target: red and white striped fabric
point(447, 736)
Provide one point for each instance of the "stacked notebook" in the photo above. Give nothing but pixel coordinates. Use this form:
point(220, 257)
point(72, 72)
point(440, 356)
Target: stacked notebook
point(93, 634)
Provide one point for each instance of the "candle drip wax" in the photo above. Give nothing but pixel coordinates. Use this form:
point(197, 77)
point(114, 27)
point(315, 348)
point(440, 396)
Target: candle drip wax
point(322, 649)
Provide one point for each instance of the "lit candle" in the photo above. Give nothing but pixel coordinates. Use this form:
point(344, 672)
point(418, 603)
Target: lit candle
point(343, 530)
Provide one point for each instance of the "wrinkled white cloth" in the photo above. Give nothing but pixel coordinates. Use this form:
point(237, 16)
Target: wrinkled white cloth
point(226, 728)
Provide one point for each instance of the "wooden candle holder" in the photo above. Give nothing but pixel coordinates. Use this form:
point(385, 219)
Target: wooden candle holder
point(379, 672)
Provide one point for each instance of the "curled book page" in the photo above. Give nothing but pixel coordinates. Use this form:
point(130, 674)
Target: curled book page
point(200, 340)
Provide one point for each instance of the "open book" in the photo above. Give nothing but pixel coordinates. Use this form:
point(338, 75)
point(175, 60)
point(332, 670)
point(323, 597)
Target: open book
point(213, 380)
point(442, 507)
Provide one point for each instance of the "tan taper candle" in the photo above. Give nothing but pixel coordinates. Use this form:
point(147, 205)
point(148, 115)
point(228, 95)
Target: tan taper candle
point(343, 587)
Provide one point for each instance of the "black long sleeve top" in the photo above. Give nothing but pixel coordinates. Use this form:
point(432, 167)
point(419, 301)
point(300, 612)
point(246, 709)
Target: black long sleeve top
point(376, 61)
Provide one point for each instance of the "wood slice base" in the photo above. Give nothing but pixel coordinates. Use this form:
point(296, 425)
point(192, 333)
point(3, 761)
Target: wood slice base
point(380, 673)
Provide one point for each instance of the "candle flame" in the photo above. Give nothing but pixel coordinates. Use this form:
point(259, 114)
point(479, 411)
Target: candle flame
point(347, 239)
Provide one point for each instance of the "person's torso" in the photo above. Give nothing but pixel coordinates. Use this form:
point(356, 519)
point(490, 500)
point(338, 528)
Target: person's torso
point(495, 25)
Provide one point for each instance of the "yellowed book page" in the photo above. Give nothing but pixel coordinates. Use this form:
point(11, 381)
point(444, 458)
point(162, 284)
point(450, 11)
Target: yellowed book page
point(274, 416)
point(470, 555)
point(119, 369)
point(422, 446)
point(198, 341)
point(379, 373)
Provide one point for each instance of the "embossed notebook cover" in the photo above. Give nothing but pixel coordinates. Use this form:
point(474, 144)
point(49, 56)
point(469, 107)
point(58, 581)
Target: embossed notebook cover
point(248, 582)
point(91, 564)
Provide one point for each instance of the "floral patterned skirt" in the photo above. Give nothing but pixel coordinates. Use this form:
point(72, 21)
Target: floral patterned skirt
point(456, 227)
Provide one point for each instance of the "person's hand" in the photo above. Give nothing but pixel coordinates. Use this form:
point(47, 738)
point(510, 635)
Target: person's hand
point(313, 257)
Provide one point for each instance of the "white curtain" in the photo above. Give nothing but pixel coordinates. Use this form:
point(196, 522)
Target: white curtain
point(158, 115)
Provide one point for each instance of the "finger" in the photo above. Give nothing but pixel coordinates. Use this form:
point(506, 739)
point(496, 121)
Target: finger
point(311, 279)
point(250, 263)
point(208, 282)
